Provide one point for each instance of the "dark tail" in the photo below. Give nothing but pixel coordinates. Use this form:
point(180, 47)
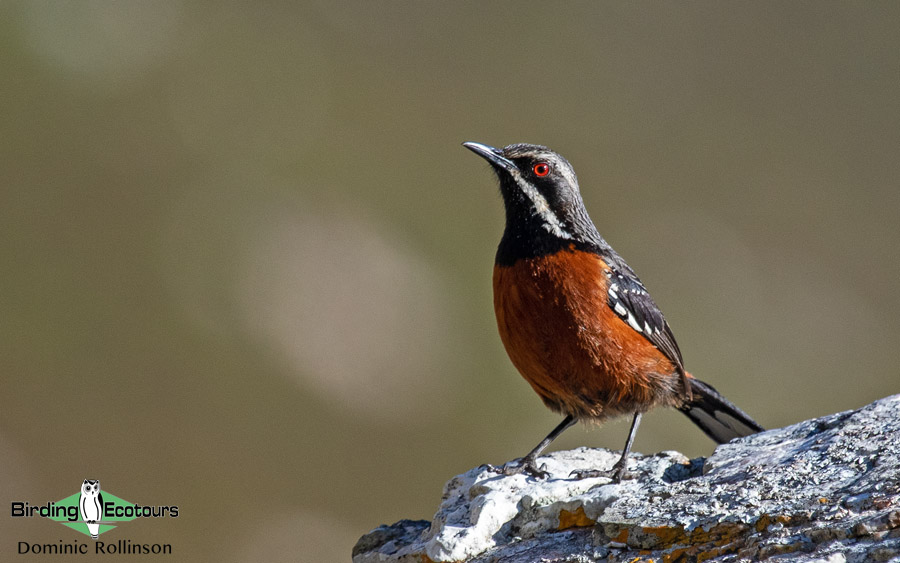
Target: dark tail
point(719, 418)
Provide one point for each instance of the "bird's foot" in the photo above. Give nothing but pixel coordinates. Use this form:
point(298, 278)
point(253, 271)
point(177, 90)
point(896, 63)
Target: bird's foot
point(617, 473)
point(521, 465)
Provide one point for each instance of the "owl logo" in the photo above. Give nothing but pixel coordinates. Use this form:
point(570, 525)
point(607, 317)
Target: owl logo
point(91, 505)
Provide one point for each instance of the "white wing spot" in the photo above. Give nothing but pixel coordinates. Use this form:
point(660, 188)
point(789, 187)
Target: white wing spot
point(621, 309)
point(633, 322)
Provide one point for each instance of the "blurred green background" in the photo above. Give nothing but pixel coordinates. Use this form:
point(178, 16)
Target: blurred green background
point(246, 263)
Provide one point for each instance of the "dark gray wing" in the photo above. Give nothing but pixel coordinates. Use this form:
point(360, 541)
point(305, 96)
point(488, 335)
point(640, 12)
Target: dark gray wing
point(629, 299)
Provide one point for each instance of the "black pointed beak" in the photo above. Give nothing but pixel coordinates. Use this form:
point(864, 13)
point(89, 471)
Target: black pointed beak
point(492, 155)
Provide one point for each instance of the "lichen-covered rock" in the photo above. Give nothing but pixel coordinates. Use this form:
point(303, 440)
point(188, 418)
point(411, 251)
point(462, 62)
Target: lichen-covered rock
point(823, 490)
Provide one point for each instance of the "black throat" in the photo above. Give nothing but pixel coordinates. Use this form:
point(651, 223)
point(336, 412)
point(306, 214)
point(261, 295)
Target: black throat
point(517, 244)
point(527, 236)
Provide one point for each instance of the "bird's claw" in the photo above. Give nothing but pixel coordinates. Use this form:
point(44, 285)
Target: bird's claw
point(616, 474)
point(519, 466)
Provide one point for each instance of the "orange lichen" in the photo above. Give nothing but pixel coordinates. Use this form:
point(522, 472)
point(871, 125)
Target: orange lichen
point(666, 535)
point(577, 519)
point(622, 536)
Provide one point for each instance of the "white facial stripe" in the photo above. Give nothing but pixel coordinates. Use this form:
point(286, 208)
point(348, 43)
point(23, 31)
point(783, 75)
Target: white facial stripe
point(542, 208)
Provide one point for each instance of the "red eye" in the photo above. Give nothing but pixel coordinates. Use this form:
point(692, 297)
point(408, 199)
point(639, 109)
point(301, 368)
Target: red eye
point(541, 169)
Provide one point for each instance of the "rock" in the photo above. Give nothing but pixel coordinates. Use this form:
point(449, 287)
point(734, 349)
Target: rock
point(824, 490)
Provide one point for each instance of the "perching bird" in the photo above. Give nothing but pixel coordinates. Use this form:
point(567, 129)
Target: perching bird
point(574, 318)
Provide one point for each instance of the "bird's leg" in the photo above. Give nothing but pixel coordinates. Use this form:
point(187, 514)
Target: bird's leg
point(527, 463)
point(618, 471)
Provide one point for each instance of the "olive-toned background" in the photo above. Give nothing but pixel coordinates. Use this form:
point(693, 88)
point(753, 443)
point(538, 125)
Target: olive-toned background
point(246, 263)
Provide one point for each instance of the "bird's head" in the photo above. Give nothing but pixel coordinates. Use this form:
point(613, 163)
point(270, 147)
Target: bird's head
point(540, 193)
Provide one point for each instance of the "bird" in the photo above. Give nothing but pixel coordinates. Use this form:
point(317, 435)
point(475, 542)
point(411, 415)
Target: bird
point(576, 321)
point(90, 503)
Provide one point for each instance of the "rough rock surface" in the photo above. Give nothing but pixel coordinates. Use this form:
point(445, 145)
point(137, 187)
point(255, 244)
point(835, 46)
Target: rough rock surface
point(824, 490)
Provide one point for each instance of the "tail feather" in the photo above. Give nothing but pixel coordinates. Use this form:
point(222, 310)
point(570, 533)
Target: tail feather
point(719, 418)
